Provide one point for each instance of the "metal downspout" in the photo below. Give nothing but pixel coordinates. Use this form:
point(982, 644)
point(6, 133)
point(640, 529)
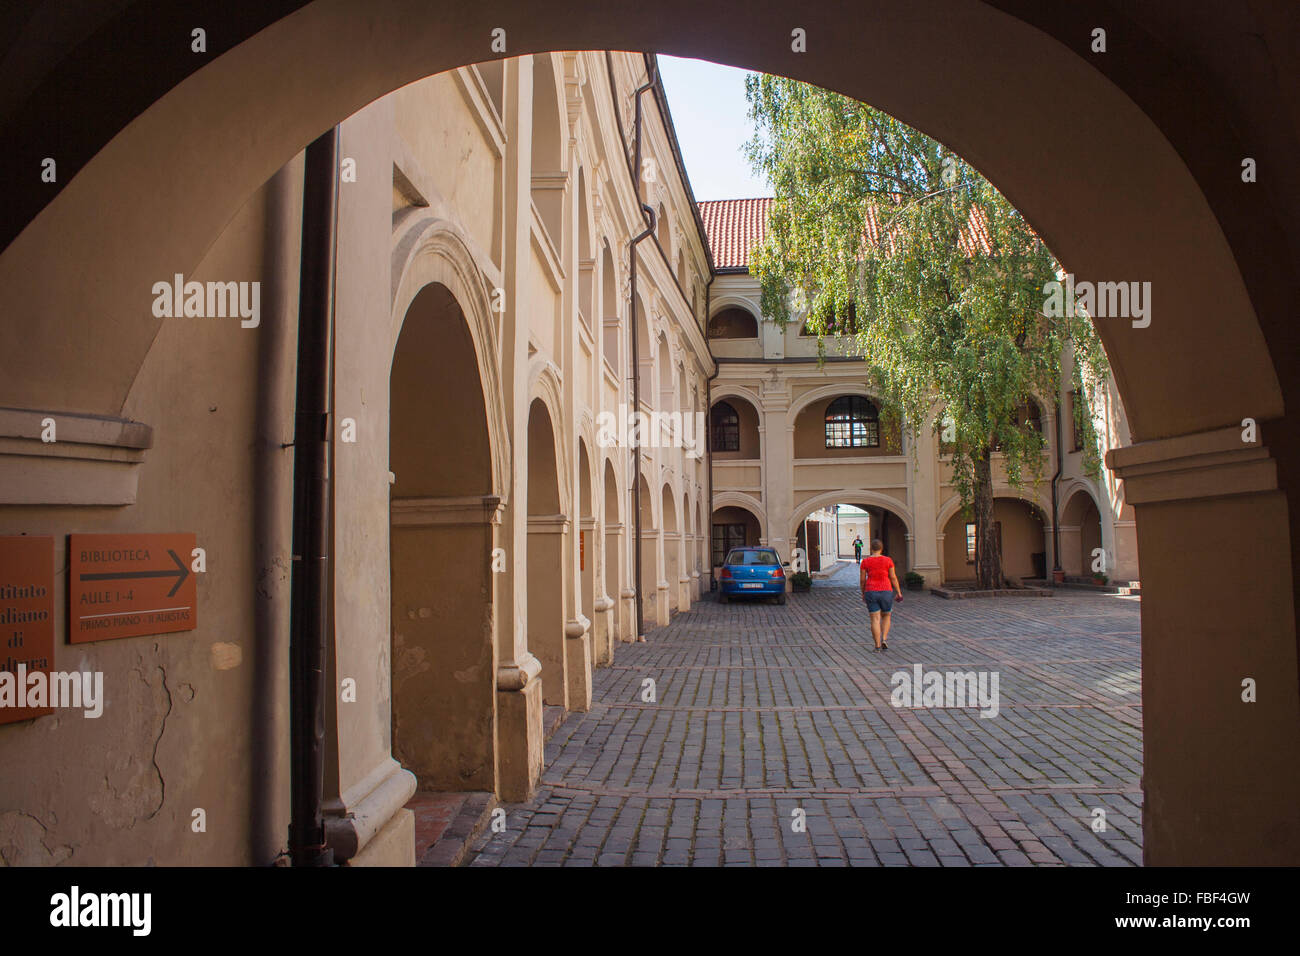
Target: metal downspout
point(309, 616)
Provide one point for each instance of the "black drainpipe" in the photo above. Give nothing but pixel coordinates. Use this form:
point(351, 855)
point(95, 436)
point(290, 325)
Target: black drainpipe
point(1056, 518)
point(309, 615)
point(636, 351)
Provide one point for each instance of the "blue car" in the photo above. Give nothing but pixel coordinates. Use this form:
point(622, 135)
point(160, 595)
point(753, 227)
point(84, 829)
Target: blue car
point(751, 572)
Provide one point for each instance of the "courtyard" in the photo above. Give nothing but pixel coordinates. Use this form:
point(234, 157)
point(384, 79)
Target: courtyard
point(768, 738)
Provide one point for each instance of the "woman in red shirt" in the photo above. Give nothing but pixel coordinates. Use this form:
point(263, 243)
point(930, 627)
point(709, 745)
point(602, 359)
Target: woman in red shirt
point(879, 585)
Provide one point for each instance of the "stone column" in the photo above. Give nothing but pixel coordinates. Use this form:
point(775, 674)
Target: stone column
point(777, 433)
point(926, 537)
point(548, 628)
point(519, 693)
point(1218, 624)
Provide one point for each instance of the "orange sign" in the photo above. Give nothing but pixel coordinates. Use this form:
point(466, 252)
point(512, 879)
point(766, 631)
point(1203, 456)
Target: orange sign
point(26, 620)
point(126, 585)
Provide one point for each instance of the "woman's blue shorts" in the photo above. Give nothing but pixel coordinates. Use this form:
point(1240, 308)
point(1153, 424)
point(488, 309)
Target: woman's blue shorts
point(879, 600)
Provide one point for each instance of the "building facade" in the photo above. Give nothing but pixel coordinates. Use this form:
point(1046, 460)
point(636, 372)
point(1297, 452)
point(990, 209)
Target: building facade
point(482, 547)
point(793, 436)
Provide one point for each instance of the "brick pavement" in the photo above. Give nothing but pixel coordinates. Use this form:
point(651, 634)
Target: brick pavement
point(761, 711)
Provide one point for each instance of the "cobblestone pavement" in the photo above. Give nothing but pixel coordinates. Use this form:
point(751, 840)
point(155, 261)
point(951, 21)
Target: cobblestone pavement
point(762, 711)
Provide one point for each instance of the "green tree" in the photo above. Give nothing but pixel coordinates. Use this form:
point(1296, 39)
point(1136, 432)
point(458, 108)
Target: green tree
point(892, 244)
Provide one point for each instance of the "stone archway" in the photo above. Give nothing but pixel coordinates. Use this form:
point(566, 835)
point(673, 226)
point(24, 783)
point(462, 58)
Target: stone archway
point(442, 515)
point(1080, 533)
point(1147, 199)
point(548, 526)
point(614, 561)
point(671, 536)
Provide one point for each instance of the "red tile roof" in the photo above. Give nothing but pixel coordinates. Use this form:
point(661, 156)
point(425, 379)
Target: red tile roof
point(735, 226)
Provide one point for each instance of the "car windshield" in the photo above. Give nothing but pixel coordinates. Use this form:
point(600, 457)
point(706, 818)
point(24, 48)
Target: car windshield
point(752, 557)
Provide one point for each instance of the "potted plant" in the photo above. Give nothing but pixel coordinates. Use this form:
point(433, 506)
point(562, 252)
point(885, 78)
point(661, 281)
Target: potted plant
point(1058, 576)
point(1099, 578)
point(913, 581)
point(801, 581)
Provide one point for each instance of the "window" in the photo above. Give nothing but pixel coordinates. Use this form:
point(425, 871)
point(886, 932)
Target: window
point(852, 422)
point(751, 557)
point(724, 426)
point(1076, 433)
point(1026, 414)
point(726, 537)
point(846, 324)
point(733, 323)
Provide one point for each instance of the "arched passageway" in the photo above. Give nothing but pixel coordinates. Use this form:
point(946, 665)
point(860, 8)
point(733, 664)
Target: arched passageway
point(1081, 536)
point(586, 522)
point(827, 532)
point(1023, 533)
point(443, 673)
point(647, 582)
point(613, 564)
point(547, 529)
point(733, 526)
point(671, 535)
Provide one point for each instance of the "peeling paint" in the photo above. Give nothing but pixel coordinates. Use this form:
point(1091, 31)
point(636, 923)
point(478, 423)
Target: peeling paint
point(23, 842)
point(226, 656)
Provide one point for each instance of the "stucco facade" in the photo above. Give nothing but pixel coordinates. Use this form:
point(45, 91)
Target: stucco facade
point(783, 469)
point(481, 515)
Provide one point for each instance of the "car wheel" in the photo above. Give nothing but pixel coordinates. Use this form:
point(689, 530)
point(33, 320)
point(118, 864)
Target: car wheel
point(780, 599)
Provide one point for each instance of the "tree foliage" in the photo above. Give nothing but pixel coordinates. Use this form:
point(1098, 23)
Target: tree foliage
point(890, 243)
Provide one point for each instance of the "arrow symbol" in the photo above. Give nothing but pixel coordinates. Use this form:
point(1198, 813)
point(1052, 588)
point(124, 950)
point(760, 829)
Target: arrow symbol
point(180, 573)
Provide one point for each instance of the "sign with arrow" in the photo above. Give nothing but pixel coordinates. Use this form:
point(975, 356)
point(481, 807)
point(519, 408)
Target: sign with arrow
point(127, 585)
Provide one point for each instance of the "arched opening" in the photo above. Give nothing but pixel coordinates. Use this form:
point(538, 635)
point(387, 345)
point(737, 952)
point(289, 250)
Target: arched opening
point(586, 260)
point(586, 536)
point(443, 673)
point(647, 583)
point(733, 323)
point(1149, 200)
point(645, 358)
point(666, 400)
point(844, 426)
point(614, 574)
point(1080, 536)
point(612, 328)
point(1021, 530)
point(827, 532)
point(1029, 414)
point(547, 527)
point(672, 543)
point(733, 430)
point(548, 175)
point(687, 552)
point(732, 527)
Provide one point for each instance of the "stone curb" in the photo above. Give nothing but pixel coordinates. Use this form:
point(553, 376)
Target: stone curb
point(452, 848)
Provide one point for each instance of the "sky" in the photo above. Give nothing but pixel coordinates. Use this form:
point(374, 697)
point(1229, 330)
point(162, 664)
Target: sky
point(711, 116)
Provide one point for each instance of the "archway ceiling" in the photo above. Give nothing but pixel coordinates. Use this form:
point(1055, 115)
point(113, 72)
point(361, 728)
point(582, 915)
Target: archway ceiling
point(71, 81)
